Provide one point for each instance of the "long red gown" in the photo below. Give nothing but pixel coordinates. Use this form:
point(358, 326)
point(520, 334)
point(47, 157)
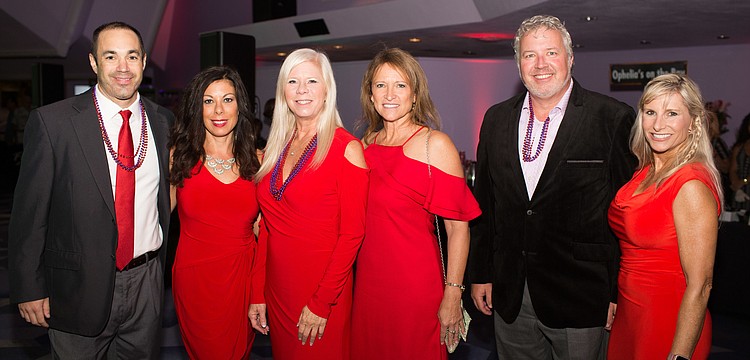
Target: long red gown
point(309, 239)
point(211, 272)
point(399, 282)
point(651, 281)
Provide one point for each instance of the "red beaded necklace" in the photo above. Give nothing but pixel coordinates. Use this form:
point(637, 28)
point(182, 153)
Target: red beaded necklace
point(528, 139)
point(140, 153)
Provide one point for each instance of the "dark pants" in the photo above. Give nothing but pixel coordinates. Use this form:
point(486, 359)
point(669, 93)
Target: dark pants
point(134, 327)
point(528, 338)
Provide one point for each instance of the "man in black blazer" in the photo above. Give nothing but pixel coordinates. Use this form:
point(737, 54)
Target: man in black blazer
point(549, 162)
point(68, 219)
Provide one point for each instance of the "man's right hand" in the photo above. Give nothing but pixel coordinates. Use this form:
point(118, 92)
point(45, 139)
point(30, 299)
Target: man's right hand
point(482, 296)
point(35, 312)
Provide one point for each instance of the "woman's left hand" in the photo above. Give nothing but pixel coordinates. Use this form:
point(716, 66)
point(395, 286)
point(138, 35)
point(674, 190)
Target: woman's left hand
point(310, 326)
point(257, 315)
point(451, 317)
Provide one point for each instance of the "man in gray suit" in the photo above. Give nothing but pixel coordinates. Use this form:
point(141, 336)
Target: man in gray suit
point(91, 211)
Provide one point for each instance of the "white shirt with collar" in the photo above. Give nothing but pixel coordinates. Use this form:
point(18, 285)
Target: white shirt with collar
point(148, 232)
point(532, 170)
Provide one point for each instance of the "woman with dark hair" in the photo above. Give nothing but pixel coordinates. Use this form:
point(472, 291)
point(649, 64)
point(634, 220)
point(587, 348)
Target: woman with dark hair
point(405, 305)
point(213, 163)
point(739, 169)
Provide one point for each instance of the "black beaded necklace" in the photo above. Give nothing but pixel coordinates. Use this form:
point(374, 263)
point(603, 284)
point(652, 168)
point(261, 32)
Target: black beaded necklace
point(140, 153)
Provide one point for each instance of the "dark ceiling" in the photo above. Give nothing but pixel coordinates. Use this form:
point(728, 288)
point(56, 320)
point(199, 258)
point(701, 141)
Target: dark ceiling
point(595, 25)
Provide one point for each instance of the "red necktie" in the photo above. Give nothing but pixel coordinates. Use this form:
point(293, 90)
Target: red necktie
point(125, 194)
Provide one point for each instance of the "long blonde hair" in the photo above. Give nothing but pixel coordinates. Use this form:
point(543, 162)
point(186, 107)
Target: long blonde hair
point(696, 148)
point(283, 125)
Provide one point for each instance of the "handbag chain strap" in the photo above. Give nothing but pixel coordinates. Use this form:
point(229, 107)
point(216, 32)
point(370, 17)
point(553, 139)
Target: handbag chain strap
point(437, 226)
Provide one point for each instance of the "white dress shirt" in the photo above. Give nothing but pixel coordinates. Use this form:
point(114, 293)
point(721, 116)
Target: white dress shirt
point(148, 232)
point(532, 170)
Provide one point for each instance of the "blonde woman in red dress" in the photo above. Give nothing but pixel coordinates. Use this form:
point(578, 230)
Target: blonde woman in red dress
point(666, 219)
point(312, 190)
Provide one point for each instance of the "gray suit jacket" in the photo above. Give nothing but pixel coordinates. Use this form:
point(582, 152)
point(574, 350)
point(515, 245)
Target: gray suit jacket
point(63, 233)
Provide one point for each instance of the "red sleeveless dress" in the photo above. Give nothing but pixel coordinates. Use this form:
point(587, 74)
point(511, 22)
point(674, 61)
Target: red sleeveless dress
point(399, 282)
point(651, 282)
point(210, 276)
point(307, 245)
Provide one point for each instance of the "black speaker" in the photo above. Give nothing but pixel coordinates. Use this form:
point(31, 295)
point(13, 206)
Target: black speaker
point(273, 9)
point(47, 84)
point(235, 50)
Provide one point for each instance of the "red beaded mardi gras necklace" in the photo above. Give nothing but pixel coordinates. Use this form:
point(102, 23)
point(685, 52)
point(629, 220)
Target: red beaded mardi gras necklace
point(140, 153)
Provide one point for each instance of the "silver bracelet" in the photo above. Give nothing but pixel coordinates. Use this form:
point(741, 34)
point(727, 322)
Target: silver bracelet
point(462, 287)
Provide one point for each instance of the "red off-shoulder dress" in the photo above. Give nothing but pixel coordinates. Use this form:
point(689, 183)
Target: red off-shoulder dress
point(399, 281)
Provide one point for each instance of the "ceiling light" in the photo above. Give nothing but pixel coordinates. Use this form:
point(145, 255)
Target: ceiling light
point(723, 37)
point(469, 53)
point(415, 40)
point(338, 47)
point(645, 42)
point(577, 46)
point(589, 18)
point(280, 54)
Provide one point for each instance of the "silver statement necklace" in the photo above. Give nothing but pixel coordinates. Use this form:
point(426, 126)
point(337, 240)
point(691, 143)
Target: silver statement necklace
point(219, 166)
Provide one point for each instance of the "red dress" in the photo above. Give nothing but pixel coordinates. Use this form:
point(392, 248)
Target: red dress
point(310, 238)
point(211, 272)
point(651, 281)
point(399, 280)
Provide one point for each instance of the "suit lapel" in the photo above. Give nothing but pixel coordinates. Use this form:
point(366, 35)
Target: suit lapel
point(160, 129)
point(159, 124)
point(569, 126)
point(86, 126)
point(512, 141)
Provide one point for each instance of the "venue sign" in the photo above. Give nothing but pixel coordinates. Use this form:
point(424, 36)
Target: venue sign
point(636, 76)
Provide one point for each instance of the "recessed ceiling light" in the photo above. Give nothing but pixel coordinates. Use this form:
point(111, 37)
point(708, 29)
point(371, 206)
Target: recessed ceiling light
point(469, 52)
point(415, 40)
point(589, 18)
point(723, 37)
point(338, 47)
point(645, 42)
point(577, 46)
point(281, 54)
